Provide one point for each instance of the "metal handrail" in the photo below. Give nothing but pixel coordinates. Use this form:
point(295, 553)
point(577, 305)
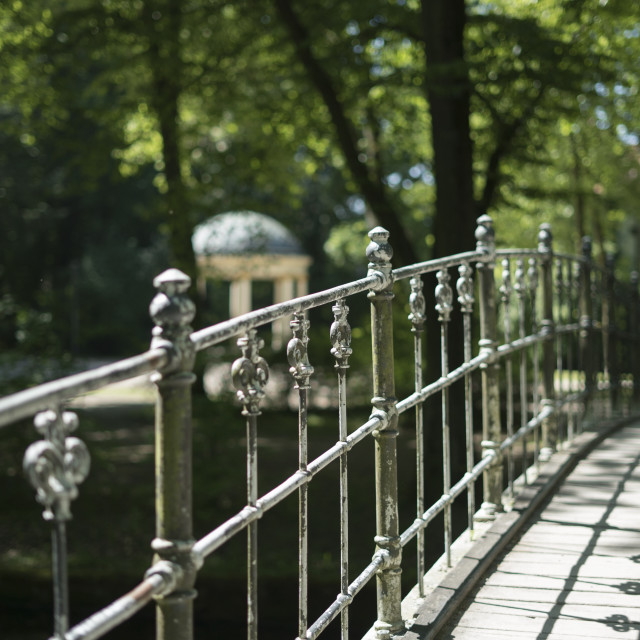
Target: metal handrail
point(541, 350)
point(51, 394)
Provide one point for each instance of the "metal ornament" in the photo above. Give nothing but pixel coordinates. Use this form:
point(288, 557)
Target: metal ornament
point(250, 374)
point(532, 272)
point(464, 286)
point(417, 304)
point(444, 296)
point(340, 335)
point(297, 355)
point(520, 284)
point(505, 287)
point(56, 465)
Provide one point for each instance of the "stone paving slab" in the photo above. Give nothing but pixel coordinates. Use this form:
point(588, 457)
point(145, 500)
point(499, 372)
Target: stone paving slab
point(575, 573)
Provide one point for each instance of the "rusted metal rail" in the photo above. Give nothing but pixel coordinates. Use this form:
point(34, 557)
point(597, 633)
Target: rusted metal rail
point(546, 348)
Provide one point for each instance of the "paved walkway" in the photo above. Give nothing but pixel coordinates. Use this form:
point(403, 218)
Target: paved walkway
point(575, 572)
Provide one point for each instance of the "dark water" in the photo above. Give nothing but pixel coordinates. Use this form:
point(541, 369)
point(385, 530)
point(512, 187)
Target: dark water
point(114, 521)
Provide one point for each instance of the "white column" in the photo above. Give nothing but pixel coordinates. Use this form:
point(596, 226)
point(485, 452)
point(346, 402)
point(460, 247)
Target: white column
point(283, 290)
point(302, 286)
point(239, 297)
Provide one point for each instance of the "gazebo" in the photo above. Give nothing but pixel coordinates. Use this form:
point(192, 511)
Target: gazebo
point(242, 246)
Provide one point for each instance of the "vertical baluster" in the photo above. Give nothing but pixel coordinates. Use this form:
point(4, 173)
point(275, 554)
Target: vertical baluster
point(301, 371)
point(464, 286)
point(340, 334)
point(586, 323)
point(549, 424)
point(578, 383)
point(172, 312)
point(520, 288)
point(612, 338)
point(532, 274)
point(568, 288)
point(597, 287)
point(444, 297)
point(250, 374)
point(389, 592)
point(417, 318)
point(492, 478)
point(505, 290)
point(559, 291)
point(55, 466)
point(635, 344)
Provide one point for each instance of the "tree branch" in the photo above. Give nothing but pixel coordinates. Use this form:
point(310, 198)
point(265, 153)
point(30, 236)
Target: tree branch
point(372, 191)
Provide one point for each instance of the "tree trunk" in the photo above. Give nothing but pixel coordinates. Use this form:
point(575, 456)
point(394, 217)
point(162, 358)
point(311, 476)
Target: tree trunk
point(164, 23)
point(448, 94)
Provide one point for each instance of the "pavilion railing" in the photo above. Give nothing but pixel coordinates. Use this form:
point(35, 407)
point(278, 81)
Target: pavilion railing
point(553, 332)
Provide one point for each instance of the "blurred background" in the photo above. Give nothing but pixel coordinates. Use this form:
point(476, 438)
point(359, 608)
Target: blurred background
point(126, 123)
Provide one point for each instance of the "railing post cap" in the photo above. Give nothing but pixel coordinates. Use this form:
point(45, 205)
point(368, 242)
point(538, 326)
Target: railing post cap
point(485, 234)
point(586, 246)
point(172, 311)
point(172, 281)
point(545, 237)
point(379, 251)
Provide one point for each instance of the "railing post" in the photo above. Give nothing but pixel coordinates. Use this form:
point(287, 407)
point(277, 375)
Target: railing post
point(172, 312)
point(547, 329)
point(635, 342)
point(492, 478)
point(389, 593)
point(586, 321)
point(611, 362)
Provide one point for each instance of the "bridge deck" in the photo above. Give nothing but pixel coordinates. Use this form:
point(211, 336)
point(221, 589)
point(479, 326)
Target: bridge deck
point(575, 572)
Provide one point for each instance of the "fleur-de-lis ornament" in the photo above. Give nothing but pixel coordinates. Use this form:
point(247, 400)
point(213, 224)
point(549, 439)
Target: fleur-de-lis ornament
point(464, 286)
point(297, 355)
point(57, 464)
point(417, 304)
point(250, 374)
point(340, 335)
point(444, 296)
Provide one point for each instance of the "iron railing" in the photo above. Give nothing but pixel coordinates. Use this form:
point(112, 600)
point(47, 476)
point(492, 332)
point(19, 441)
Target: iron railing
point(553, 332)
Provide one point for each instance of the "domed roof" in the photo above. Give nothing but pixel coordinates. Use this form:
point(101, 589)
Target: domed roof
point(243, 232)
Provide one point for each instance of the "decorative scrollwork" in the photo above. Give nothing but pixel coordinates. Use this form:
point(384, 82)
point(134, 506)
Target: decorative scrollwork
point(505, 287)
point(250, 374)
point(520, 286)
point(417, 304)
point(559, 281)
point(464, 286)
point(57, 464)
point(532, 272)
point(340, 335)
point(444, 296)
point(297, 355)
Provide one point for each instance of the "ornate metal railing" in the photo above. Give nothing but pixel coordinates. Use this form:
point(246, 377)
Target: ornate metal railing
point(553, 332)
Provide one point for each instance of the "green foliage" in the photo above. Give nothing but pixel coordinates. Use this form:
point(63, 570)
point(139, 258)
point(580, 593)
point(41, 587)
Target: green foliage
point(89, 167)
